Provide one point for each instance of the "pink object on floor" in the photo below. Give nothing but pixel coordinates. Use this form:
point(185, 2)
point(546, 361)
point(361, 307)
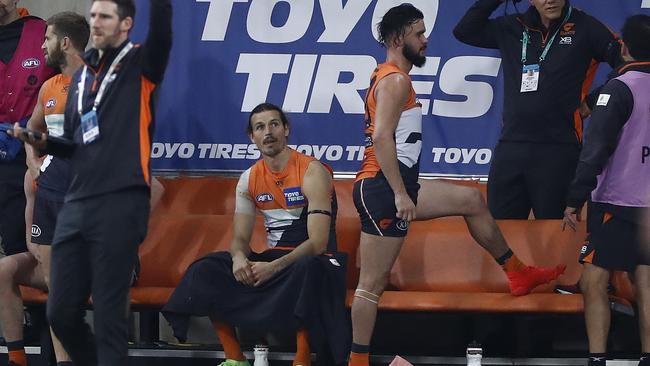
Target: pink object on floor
point(398, 361)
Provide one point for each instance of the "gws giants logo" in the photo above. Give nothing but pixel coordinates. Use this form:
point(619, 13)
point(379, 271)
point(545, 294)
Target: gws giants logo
point(264, 197)
point(385, 223)
point(567, 29)
point(36, 231)
point(31, 63)
point(50, 103)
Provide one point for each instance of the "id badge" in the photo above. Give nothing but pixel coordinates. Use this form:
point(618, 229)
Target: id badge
point(530, 78)
point(89, 127)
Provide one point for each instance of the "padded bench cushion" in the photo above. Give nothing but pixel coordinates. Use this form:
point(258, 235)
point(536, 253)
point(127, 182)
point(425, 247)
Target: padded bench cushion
point(440, 267)
point(440, 255)
point(477, 302)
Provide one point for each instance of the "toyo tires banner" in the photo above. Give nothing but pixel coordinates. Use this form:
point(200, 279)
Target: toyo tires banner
point(313, 58)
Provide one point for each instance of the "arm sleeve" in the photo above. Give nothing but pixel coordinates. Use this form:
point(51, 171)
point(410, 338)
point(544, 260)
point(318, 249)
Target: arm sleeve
point(605, 46)
point(612, 110)
point(592, 97)
point(159, 40)
point(476, 28)
point(60, 147)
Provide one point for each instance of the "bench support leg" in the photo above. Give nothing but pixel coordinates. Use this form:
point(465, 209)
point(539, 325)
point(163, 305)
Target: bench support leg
point(149, 326)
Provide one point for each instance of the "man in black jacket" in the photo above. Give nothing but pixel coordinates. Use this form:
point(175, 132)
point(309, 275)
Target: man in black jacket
point(550, 54)
point(109, 120)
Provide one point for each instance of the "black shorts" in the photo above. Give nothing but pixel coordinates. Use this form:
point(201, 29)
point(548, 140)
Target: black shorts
point(375, 203)
point(12, 206)
point(47, 205)
point(614, 243)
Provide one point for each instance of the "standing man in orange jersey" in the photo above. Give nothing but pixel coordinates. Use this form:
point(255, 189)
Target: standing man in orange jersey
point(387, 187)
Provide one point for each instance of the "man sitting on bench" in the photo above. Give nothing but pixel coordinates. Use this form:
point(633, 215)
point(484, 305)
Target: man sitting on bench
point(294, 282)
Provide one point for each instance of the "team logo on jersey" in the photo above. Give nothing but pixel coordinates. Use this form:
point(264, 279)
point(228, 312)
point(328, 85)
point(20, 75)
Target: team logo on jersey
point(567, 29)
point(264, 197)
point(402, 225)
point(293, 196)
point(36, 231)
point(566, 40)
point(31, 63)
point(50, 103)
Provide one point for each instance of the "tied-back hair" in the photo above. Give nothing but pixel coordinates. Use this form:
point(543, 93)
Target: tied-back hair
point(396, 22)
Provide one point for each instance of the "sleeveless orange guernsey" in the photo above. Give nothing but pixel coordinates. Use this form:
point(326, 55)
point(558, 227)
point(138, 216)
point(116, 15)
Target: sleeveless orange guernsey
point(279, 197)
point(53, 100)
point(55, 172)
point(408, 134)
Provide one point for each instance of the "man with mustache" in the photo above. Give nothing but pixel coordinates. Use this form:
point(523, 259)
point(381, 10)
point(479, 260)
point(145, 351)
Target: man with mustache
point(550, 54)
point(299, 281)
point(387, 192)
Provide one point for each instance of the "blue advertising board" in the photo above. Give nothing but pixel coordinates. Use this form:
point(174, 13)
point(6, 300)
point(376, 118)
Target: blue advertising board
point(313, 58)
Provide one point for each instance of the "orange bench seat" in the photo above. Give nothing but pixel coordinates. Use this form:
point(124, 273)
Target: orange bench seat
point(440, 267)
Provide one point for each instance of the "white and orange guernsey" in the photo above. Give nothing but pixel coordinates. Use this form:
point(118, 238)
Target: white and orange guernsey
point(408, 134)
point(279, 198)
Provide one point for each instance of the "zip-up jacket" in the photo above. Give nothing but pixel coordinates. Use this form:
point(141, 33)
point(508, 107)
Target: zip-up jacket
point(614, 163)
point(119, 158)
point(548, 115)
point(22, 67)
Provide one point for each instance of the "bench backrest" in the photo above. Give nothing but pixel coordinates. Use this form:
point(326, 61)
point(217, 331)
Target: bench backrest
point(195, 218)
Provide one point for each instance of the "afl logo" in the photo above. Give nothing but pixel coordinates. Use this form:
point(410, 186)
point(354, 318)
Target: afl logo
point(402, 225)
point(31, 63)
point(36, 231)
point(50, 103)
point(264, 197)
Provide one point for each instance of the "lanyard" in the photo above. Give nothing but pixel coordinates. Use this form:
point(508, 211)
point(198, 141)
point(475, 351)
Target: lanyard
point(105, 81)
point(526, 37)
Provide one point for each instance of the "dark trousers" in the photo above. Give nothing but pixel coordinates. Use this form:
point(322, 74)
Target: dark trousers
point(12, 205)
point(94, 249)
point(525, 176)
